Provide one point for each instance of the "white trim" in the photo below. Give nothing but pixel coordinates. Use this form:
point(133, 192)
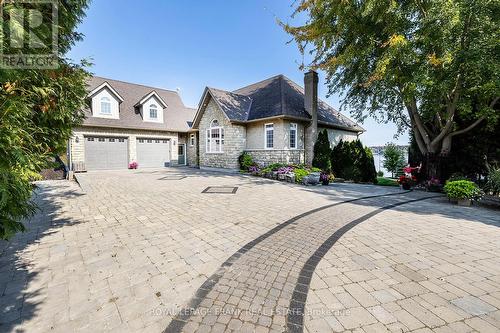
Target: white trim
point(265, 136)
point(209, 141)
point(105, 85)
point(296, 129)
point(148, 96)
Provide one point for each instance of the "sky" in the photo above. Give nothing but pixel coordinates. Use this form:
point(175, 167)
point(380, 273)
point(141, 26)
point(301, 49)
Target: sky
point(189, 44)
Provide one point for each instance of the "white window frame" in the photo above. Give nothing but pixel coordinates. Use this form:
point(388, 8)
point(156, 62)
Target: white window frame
point(192, 140)
point(153, 107)
point(293, 128)
point(105, 100)
point(270, 129)
point(210, 147)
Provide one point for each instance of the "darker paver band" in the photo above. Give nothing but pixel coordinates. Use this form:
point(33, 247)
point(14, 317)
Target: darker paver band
point(177, 324)
point(296, 310)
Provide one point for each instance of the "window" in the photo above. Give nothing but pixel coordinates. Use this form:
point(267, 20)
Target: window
point(141, 140)
point(269, 136)
point(215, 138)
point(105, 105)
point(153, 111)
point(180, 149)
point(149, 141)
point(157, 141)
point(111, 140)
point(191, 140)
point(293, 136)
point(121, 140)
point(164, 141)
point(90, 139)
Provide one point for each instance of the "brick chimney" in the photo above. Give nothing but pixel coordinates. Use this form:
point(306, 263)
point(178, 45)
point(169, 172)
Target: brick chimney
point(311, 106)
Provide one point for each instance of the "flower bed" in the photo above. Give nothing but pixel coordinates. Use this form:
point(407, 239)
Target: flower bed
point(292, 173)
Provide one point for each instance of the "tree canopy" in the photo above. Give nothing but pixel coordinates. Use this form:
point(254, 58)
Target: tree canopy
point(38, 109)
point(418, 63)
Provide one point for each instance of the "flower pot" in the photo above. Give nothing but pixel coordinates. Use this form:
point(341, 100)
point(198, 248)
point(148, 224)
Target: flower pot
point(325, 182)
point(464, 202)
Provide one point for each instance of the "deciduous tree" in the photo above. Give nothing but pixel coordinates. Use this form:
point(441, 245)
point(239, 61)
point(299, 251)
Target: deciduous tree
point(417, 63)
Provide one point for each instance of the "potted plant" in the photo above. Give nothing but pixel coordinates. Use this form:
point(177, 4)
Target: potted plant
point(407, 181)
point(326, 178)
point(462, 191)
point(133, 165)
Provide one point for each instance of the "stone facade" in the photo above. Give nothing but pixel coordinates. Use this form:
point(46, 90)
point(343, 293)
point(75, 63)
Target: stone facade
point(192, 149)
point(264, 157)
point(77, 146)
point(234, 140)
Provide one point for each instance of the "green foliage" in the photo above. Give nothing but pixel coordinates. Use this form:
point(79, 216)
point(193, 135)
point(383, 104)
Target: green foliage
point(380, 174)
point(352, 161)
point(419, 64)
point(493, 183)
point(38, 110)
point(394, 159)
point(382, 181)
point(300, 174)
point(246, 161)
point(322, 152)
point(462, 189)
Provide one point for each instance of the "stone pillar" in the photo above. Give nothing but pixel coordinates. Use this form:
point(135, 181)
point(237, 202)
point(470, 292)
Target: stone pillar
point(311, 106)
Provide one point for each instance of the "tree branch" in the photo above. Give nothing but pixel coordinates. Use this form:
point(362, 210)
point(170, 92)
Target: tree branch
point(474, 124)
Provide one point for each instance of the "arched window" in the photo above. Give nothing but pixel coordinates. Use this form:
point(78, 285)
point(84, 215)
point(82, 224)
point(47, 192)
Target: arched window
point(153, 111)
point(215, 138)
point(105, 105)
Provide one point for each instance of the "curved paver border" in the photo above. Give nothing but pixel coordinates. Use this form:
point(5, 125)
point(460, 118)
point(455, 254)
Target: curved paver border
point(178, 323)
point(296, 309)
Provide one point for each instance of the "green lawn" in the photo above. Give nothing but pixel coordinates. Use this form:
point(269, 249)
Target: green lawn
point(382, 181)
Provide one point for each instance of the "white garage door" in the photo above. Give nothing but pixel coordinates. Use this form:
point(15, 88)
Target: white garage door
point(103, 153)
point(153, 153)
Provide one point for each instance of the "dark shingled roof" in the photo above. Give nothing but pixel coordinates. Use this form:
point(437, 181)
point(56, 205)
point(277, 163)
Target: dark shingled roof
point(276, 96)
point(176, 116)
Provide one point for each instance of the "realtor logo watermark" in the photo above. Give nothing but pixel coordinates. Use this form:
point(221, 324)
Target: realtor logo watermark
point(28, 34)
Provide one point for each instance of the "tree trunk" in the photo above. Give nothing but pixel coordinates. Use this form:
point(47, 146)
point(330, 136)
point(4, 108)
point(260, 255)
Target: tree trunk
point(434, 166)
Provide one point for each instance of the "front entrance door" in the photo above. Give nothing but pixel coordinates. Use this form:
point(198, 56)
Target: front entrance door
point(182, 154)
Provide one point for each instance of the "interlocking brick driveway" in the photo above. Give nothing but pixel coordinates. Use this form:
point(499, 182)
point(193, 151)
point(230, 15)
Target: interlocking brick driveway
point(130, 249)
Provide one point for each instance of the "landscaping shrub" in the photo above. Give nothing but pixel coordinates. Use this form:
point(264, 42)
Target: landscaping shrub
point(246, 161)
point(352, 161)
point(322, 152)
point(380, 174)
point(462, 189)
point(493, 183)
point(300, 174)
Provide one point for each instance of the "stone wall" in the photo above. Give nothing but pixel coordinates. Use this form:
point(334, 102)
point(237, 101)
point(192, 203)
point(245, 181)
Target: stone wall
point(78, 141)
point(192, 150)
point(234, 140)
point(264, 157)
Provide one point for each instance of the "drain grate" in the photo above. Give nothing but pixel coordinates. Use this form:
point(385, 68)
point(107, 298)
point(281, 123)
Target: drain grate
point(220, 189)
point(172, 178)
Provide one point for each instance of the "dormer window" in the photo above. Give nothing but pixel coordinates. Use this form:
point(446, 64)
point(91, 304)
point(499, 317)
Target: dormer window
point(153, 111)
point(105, 105)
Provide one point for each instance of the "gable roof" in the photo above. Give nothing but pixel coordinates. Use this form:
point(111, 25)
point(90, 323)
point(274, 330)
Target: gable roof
point(148, 96)
point(105, 85)
point(274, 97)
point(176, 116)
